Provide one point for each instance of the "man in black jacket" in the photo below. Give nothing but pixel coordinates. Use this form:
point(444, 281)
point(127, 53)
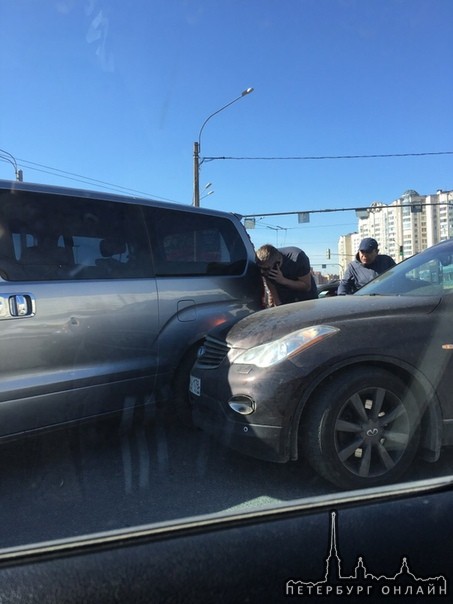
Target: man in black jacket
point(368, 264)
point(287, 274)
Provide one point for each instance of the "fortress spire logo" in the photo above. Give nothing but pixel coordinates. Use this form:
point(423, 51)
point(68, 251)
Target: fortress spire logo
point(361, 582)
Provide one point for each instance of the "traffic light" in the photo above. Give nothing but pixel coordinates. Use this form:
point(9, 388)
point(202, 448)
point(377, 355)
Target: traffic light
point(328, 253)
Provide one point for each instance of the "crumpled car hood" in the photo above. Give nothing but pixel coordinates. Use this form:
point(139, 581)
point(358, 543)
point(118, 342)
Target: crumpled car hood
point(271, 324)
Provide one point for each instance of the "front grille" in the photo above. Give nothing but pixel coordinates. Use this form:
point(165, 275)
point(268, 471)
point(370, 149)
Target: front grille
point(213, 353)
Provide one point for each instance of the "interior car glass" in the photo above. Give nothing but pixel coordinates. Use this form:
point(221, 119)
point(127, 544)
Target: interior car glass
point(226, 276)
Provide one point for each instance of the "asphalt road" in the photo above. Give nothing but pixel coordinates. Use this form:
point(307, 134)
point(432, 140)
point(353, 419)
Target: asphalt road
point(114, 474)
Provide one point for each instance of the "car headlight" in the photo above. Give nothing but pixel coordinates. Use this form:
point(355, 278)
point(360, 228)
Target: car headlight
point(276, 351)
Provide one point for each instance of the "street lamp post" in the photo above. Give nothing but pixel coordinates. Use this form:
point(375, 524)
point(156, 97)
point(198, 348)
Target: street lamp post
point(197, 148)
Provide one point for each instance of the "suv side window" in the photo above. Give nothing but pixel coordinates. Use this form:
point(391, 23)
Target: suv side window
point(47, 237)
point(186, 243)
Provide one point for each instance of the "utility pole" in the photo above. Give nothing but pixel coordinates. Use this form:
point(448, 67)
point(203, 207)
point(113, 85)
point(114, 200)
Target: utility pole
point(196, 174)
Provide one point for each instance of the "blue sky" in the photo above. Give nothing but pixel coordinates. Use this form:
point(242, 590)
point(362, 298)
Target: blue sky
point(117, 92)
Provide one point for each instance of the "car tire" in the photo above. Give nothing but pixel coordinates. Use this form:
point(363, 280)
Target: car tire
point(362, 429)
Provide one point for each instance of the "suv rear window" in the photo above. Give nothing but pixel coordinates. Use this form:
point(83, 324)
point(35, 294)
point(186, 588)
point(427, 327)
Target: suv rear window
point(195, 244)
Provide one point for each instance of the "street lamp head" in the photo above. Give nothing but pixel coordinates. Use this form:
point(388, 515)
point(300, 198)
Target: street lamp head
point(197, 147)
point(243, 93)
point(206, 195)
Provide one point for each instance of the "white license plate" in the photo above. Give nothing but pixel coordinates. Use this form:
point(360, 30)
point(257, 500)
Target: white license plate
point(195, 385)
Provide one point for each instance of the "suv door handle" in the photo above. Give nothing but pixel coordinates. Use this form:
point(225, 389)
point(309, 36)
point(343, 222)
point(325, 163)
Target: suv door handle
point(17, 305)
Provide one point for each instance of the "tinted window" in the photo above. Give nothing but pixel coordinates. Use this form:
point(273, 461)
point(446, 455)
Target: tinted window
point(186, 243)
point(59, 238)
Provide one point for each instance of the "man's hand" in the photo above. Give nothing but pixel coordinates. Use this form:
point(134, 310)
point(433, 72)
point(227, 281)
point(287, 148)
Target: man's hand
point(299, 284)
point(276, 275)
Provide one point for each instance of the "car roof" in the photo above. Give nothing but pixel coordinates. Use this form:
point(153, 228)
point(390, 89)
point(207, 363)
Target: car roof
point(29, 187)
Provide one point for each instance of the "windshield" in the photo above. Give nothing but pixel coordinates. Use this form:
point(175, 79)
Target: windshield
point(429, 273)
point(148, 150)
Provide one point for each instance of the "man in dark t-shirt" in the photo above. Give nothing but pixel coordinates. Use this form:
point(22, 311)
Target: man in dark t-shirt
point(287, 274)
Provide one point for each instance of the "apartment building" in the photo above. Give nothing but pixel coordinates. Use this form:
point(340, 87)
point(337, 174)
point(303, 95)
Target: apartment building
point(408, 225)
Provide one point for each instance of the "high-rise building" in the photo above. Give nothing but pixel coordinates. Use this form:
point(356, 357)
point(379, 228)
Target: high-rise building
point(408, 225)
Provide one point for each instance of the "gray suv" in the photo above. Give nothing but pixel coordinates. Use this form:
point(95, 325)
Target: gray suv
point(105, 299)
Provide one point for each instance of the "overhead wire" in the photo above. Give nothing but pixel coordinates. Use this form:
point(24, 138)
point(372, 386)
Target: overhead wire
point(87, 180)
point(327, 157)
point(6, 156)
